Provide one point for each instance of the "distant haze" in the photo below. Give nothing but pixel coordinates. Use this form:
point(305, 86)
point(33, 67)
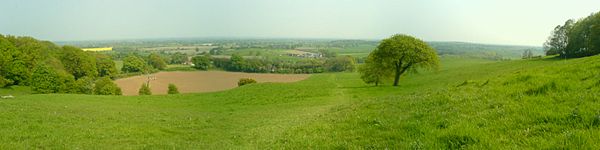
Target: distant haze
point(516, 22)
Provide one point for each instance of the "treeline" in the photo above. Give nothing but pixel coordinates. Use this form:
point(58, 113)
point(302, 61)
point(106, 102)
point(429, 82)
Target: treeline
point(575, 38)
point(260, 65)
point(49, 68)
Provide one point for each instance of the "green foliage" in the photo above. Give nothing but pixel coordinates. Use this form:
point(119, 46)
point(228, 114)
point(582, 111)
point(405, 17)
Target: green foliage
point(237, 62)
point(328, 53)
point(105, 86)
point(12, 64)
point(401, 53)
point(245, 81)
point(172, 89)
point(145, 90)
point(133, 63)
point(576, 39)
point(47, 80)
point(178, 58)
point(373, 72)
point(4, 82)
point(78, 63)
point(201, 62)
point(156, 61)
point(106, 66)
point(340, 64)
point(558, 40)
point(84, 85)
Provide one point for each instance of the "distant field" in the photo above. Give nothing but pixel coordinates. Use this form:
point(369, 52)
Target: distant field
point(199, 81)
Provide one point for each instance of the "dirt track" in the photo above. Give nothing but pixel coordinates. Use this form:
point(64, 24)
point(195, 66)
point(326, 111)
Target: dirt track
point(199, 81)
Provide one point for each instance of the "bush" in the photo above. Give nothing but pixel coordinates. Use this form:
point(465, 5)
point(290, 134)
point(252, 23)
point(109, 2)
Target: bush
point(244, 81)
point(47, 80)
point(173, 89)
point(84, 85)
point(105, 86)
point(145, 90)
point(4, 82)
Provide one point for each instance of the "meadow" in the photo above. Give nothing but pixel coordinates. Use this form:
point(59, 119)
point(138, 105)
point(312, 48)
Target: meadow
point(467, 103)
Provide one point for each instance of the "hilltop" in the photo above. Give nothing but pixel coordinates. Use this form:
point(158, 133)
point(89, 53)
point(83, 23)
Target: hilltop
point(469, 102)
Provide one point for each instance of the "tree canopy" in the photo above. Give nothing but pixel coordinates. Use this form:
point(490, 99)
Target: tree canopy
point(398, 54)
point(575, 38)
point(134, 63)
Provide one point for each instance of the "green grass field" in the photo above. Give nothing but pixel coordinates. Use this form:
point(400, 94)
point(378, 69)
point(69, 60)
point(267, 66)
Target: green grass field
point(467, 103)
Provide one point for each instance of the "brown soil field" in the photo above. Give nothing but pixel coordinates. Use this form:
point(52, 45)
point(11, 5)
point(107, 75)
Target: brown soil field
point(199, 81)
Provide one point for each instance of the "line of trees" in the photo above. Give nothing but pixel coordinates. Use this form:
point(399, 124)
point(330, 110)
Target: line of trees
point(575, 38)
point(49, 68)
point(259, 65)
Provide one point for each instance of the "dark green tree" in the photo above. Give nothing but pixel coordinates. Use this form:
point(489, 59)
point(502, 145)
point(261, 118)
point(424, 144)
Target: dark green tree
point(237, 62)
point(78, 63)
point(84, 85)
point(48, 80)
point(156, 61)
point(558, 40)
point(401, 53)
point(105, 86)
point(201, 62)
point(178, 58)
point(133, 63)
point(373, 72)
point(106, 66)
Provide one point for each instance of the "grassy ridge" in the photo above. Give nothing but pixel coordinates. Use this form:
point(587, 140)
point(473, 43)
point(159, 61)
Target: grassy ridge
point(470, 103)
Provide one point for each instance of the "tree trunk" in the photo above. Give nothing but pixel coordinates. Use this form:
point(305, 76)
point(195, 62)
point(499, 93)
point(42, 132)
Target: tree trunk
point(397, 74)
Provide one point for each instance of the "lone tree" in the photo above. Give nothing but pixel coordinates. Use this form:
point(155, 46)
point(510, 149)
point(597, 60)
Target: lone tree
point(399, 54)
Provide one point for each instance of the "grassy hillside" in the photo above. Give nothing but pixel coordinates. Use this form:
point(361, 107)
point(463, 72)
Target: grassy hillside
point(470, 103)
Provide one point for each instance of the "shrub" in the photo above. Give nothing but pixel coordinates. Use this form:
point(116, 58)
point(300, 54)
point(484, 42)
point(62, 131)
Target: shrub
point(47, 80)
point(145, 90)
point(105, 86)
point(173, 89)
point(244, 81)
point(4, 82)
point(84, 85)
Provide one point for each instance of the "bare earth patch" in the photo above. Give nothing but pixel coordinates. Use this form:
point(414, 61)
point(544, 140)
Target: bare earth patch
point(199, 81)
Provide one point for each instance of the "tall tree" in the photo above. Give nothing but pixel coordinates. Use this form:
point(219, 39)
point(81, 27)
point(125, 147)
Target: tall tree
point(106, 66)
point(156, 61)
point(401, 53)
point(559, 39)
point(78, 63)
point(201, 62)
point(133, 63)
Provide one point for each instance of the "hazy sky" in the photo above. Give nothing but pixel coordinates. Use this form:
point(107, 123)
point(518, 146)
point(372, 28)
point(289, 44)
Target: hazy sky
point(520, 22)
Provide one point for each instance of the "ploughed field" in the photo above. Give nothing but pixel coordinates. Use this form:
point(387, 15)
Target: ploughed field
point(199, 81)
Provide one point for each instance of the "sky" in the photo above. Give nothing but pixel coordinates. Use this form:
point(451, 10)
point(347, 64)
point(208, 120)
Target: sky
point(513, 22)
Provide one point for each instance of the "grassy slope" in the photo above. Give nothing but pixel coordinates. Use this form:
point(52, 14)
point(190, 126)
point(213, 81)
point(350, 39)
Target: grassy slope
point(475, 103)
